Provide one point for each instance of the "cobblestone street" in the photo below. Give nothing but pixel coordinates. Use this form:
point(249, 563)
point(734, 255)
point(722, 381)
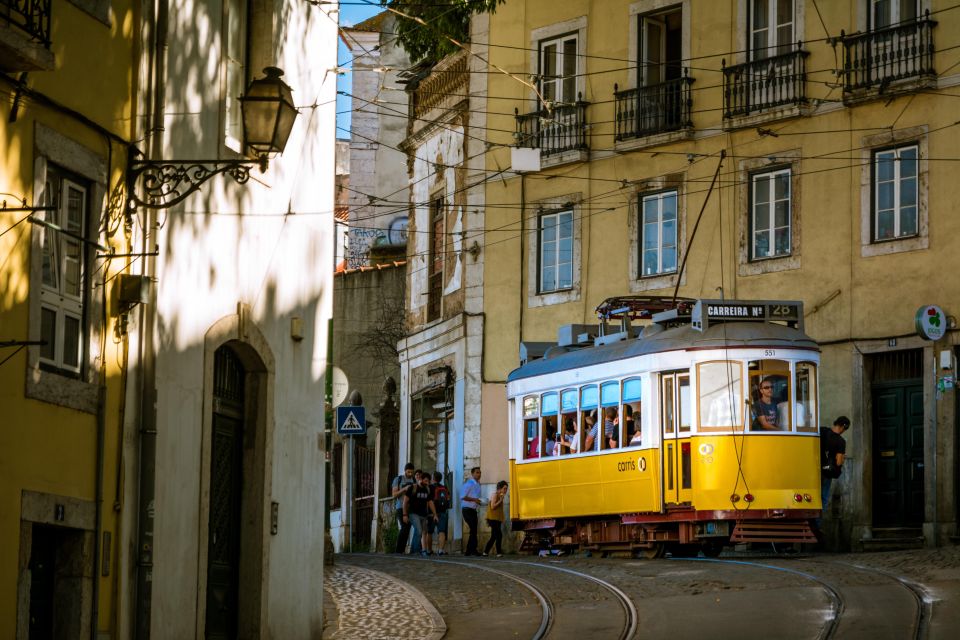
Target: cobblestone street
point(749, 594)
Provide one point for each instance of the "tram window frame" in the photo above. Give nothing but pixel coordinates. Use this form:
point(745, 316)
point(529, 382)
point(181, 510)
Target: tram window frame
point(636, 411)
point(584, 412)
point(607, 401)
point(777, 371)
point(810, 406)
point(567, 411)
point(684, 403)
point(735, 383)
point(549, 408)
point(530, 416)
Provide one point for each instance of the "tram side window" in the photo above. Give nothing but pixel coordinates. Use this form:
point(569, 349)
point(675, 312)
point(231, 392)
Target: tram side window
point(531, 424)
point(632, 423)
point(549, 408)
point(610, 401)
point(720, 394)
point(805, 397)
point(589, 415)
point(769, 395)
point(686, 408)
point(567, 434)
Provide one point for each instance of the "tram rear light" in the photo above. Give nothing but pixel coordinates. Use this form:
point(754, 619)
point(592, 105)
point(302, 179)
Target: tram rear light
point(734, 498)
point(807, 497)
point(797, 497)
point(748, 497)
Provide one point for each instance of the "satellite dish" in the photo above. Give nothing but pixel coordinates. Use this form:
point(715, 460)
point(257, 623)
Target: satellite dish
point(340, 386)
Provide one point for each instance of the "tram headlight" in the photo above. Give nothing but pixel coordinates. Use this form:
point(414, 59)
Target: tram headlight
point(748, 497)
point(807, 497)
point(735, 498)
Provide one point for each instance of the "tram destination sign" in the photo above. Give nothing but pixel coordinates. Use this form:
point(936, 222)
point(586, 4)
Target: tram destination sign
point(707, 311)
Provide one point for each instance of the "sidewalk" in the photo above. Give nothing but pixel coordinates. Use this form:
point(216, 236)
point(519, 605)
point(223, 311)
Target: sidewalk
point(367, 604)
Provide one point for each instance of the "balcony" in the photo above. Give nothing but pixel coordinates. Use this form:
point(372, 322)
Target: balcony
point(765, 84)
point(554, 131)
point(872, 61)
point(654, 109)
point(25, 35)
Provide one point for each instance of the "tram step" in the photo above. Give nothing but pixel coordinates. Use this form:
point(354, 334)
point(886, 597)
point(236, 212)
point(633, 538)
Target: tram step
point(764, 531)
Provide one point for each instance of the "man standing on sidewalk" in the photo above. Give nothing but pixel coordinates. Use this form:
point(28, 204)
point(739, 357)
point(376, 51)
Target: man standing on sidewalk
point(469, 501)
point(833, 449)
point(398, 489)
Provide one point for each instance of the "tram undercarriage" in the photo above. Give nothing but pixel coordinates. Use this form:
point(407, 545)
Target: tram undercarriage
point(652, 536)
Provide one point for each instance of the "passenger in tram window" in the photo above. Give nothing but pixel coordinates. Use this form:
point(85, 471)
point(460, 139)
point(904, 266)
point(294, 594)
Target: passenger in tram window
point(570, 439)
point(550, 444)
point(591, 427)
point(611, 428)
point(765, 413)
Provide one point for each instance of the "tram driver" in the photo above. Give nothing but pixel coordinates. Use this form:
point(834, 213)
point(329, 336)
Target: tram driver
point(766, 414)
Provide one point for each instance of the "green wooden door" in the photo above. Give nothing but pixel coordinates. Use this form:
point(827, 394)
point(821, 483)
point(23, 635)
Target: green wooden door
point(898, 454)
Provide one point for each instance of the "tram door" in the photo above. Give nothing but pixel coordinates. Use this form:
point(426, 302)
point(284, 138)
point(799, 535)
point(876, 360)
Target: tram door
point(675, 418)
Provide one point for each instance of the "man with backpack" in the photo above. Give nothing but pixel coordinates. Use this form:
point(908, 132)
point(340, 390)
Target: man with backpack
point(418, 508)
point(441, 502)
point(833, 449)
point(398, 489)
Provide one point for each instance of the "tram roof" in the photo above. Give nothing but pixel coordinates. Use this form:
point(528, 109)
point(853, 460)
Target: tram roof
point(716, 336)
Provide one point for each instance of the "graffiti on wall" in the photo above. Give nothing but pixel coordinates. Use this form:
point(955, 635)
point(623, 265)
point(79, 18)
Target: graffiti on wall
point(363, 239)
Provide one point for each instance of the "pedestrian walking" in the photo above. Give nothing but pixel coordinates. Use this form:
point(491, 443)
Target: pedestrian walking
point(415, 533)
point(418, 508)
point(441, 502)
point(469, 501)
point(495, 520)
point(833, 450)
point(398, 488)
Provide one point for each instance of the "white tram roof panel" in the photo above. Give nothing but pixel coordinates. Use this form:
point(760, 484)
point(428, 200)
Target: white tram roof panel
point(655, 339)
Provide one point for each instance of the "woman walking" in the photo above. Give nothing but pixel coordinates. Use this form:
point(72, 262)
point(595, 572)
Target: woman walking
point(495, 519)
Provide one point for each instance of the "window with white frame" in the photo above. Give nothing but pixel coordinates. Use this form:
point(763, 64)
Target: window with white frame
point(770, 214)
point(558, 69)
point(235, 69)
point(895, 193)
point(63, 269)
point(771, 25)
point(658, 233)
point(886, 13)
point(556, 251)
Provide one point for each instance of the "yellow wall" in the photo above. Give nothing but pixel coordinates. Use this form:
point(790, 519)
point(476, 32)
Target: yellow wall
point(877, 295)
point(44, 447)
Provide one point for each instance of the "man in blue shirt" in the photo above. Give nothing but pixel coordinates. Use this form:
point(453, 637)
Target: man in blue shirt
point(398, 489)
point(469, 501)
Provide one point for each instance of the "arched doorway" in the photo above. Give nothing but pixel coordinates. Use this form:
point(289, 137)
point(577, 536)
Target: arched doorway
point(226, 498)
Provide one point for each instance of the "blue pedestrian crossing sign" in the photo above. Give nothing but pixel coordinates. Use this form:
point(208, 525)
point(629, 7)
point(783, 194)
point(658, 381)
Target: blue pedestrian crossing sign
point(351, 421)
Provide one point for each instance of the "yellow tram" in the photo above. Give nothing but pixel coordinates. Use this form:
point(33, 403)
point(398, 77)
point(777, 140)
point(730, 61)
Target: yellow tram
point(696, 431)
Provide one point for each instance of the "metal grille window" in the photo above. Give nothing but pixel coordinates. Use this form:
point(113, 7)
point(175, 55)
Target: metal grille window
point(556, 251)
point(770, 214)
point(558, 69)
point(895, 193)
point(62, 295)
point(658, 234)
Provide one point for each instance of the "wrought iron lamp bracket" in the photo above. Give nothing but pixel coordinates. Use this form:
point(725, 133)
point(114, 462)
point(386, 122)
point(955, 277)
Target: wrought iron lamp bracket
point(166, 183)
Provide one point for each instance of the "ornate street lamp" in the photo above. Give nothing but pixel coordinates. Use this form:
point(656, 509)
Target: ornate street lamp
point(268, 115)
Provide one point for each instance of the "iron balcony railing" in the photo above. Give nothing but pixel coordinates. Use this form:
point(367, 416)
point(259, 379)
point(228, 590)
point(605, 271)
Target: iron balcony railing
point(560, 128)
point(30, 16)
point(876, 58)
point(763, 84)
point(653, 109)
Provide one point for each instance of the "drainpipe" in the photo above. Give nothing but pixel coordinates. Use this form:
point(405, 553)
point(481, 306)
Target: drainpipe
point(148, 391)
point(98, 479)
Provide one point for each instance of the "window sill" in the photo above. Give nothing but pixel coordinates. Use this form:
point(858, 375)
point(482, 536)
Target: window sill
point(909, 85)
point(652, 283)
point(769, 265)
point(654, 140)
point(887, 247)
point(766, 115)
point(20, 53)
point(553, 297)
point(53, 388)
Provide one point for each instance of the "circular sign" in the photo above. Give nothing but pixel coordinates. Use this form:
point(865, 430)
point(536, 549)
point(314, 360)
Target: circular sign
point(931, 322)
point(340, 386)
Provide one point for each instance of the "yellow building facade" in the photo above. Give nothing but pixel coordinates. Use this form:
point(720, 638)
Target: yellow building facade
point(65, 121)
point(753, 149)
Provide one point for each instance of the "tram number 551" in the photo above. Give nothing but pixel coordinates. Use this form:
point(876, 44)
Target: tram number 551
point(769, 353)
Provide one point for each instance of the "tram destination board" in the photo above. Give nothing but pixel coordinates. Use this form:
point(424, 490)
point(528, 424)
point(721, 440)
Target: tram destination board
point(707, 311)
